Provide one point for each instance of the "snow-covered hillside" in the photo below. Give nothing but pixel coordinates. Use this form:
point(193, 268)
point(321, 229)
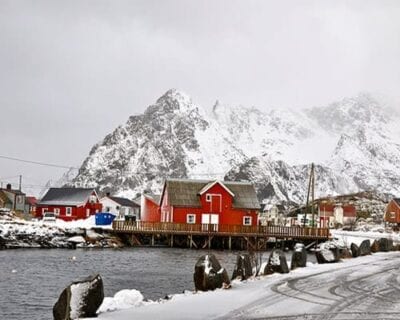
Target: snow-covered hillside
point(354, 143)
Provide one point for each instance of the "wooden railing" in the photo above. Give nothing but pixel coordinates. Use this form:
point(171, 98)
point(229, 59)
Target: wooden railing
point(184, 228)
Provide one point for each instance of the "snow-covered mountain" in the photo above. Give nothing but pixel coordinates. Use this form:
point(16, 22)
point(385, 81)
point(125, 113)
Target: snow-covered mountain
point(354, 143)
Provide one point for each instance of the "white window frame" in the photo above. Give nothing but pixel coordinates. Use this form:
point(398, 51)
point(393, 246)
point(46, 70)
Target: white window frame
point(56, 212)
point(189, 216)
point(393, 215)
point(208, 197)
point(249, 220)
point(68, 211)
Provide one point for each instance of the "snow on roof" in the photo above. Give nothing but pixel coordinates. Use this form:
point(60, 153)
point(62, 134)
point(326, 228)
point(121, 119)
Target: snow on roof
point(66, 196)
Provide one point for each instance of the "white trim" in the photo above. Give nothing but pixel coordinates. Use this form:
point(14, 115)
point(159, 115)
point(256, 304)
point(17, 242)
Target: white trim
point(57, 211)
point(211, 184)
point(190, 215)
point(395, 202)
point(211, 200)
point(250, 220)
point(66, 211)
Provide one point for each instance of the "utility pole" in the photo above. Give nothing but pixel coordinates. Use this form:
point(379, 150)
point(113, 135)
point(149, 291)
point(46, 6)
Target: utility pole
point(20, 182)
point(312, 194)
point(310, 189)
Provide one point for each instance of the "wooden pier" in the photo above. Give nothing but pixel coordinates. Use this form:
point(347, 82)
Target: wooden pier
point(202, 236)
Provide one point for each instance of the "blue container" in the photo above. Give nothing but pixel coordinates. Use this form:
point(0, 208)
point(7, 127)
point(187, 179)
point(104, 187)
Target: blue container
point(104, 218)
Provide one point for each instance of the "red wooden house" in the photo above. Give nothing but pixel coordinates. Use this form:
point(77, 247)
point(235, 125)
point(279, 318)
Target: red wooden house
point(150, 208)
point(209, 202)
point(70, 203)
point(392, 214)
point(331, 213)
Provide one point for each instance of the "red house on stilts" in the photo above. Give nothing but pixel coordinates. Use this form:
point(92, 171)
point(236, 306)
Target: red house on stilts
point(209, 202)
point(70, 203)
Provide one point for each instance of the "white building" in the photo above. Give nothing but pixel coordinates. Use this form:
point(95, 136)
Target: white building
point(122, 208)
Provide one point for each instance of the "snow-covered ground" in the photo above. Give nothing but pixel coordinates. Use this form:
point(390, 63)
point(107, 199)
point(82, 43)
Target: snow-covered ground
point(19, 233)
point(350, 289)
point(360, 288)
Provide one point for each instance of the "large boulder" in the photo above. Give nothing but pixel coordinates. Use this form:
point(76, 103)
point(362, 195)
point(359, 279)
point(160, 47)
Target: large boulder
point(208, 274)
point(243, 268)
point(365, 248)
point(276, 263)
point(299, 257)
point(328, 252)
point(385, 244)
point(80, 299)
point(375, 246)
point(355, 250)
point(345, 253)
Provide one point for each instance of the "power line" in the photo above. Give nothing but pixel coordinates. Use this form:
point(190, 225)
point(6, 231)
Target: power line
point(38, 163)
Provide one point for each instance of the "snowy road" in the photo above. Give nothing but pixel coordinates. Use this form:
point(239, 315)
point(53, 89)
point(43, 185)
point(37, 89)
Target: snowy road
point(371, 291)
point(361, 288)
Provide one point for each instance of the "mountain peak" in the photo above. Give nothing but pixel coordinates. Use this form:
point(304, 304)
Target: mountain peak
point(176, 96)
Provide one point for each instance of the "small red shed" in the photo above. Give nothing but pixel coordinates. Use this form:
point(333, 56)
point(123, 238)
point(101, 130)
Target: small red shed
point(392, 214)
point(70, 203)
point(150, 208)
point(209, 202)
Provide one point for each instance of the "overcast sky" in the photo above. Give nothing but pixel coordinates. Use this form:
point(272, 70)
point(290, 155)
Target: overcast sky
point(71, 71)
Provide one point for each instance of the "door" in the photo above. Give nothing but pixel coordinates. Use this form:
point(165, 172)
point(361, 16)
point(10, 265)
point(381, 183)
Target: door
point(209, 221)
point(216, 203)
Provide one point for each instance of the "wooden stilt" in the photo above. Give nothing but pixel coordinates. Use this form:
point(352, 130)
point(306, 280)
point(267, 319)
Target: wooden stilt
point(172, 240)
point(152, 240)
point(230, 243)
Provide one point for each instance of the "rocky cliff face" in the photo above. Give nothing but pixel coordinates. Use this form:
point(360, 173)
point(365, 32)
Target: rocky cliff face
point(354, 144)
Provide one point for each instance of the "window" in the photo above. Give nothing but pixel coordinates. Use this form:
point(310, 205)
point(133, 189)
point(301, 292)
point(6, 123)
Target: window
point(20, 199)
point(68, 211)
point(247, 221)
point(92, 199)
point(57, 211)
point(208, 197)
point(190, 218)
point(108, 209)
point(393, 215)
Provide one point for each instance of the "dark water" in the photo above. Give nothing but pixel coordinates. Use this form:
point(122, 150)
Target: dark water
point(32, 280)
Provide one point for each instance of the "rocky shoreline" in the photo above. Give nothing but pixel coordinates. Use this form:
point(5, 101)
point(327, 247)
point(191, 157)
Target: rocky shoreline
point(17, 233)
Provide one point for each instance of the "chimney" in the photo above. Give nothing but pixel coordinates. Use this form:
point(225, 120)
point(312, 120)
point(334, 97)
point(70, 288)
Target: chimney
point(8, 187)
point(107, 194)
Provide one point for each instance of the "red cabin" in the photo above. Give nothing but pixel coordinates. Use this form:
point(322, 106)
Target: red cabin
point(209, 202)
point(392, 214)
point(70, 203)
point(150, 208)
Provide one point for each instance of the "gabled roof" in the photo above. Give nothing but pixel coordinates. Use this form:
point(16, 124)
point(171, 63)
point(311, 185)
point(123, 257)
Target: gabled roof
point(18, 192)
point(397, 201)
point(123, 201)
point(67, 196)
point(213, 183)
point(4, 198)
point(186, 193)
point(153, 197)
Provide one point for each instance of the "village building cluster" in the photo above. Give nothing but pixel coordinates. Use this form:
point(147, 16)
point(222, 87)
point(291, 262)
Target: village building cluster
point(188, 201)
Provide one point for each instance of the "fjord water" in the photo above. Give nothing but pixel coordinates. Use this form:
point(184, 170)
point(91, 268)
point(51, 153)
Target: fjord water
point(32, 280)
